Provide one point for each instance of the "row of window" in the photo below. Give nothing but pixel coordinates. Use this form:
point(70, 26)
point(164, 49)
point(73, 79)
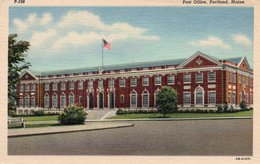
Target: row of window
point(27, 87)
point(199, 97)
point(199, 77)
point(232, 78)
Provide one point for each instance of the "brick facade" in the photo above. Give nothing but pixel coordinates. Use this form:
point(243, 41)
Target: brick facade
point(230, 81)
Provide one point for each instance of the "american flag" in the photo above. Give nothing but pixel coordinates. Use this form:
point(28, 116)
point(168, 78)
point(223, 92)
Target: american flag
point(106, 44)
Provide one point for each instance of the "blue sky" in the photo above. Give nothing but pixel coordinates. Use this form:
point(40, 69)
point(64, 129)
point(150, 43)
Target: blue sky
point(70, 37)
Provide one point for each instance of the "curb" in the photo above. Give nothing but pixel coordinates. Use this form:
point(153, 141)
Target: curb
point(170, 119)
point(69, 131)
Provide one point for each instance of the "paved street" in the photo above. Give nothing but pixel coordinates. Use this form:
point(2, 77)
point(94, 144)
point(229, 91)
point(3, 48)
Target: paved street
point(193, 137)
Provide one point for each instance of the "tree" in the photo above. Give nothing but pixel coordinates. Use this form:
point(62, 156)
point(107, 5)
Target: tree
point(72, 115)
point(16, 64)
point(167, 100)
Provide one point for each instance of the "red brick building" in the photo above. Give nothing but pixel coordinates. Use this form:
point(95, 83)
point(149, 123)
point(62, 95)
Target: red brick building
point(200, 80)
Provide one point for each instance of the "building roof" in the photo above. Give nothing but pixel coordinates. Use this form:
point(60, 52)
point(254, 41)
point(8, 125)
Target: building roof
point(114, 67)
point(147, 64)
point(236, 60)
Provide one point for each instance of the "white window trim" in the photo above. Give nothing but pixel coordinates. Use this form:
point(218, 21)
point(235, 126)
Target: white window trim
point(148, 94)
point(33, 88)
point(45, 87)
point(71, 95)
point(72, 85)
point(92, 84)
point(186, 82)
point(212, 81)
point(131, 93)
point(133, 85)
point(122, 96)
point(186, 104)
point(48, 100)
point(63, 86)
point(215, 98)
point(121, 86)
point(201, 78)
point(147, 81)
point(155, 95)
point(156, 80)
point(80, 85)
point(54, 95)
point(99, 84)
point(203, 96)
point(63, 94)
point(173, 80)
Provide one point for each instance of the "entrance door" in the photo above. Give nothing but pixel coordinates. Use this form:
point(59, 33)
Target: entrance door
point(90, 100)
point(101, 100)
point(111, 100)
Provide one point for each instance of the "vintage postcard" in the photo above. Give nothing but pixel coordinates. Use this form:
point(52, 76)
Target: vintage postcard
point(134, 82)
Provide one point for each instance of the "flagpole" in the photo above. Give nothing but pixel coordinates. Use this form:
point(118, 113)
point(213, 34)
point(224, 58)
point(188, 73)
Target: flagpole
point(102, 54)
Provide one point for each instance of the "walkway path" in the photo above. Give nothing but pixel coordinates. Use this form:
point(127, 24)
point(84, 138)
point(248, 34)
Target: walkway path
point(88, 126)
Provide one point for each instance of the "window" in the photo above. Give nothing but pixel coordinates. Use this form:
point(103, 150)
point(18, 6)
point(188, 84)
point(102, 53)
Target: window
point(145, 81)
point(145, 99)
point(211, 76)
point(170, 79)
point(100, 84)
point(230, 77)
point(63, 101)
point(54, 86)
point(21, 102)
point(80, 100)
point(133, 81)
point(54, 101)
point(27, 101)
point(133, 99)
point(212, 97)
point(21, 88)
point(199, 77)
point(46, 101)
point(80, 85)
point(71, 99)
point(199, 96)
point(187, 78)
point(234, 98)
point(111, 83)
point(90, 84)
point(27, 87)
point(122, 98)
point(158, 80)
point(122, 82)
point(32, 101)
point(63, 86)
point(71, 85)
point(47, 86)
point(234, 78)
point(155, 96)
point(230, 97)
point(33, 87)
point(247, 79)
point(186, 98)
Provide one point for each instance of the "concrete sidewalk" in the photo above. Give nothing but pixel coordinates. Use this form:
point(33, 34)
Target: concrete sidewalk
point(88, 126)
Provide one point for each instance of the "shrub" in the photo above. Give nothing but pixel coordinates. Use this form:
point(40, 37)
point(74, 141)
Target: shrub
point(220, 109)
point(72, 115)
point(225, 107)
point(242, 105)
point(38, 113)
point(119, 112)
point(11, 113)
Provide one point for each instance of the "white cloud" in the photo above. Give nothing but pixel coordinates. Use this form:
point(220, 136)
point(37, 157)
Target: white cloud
point(20, 25)
point(211, 42)
point(76, 39)
point(39, 38)
point(78, 28)
point(46, 19)
point(31, 21)
point(242, 40)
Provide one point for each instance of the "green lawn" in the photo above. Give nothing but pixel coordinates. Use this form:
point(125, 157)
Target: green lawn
point(40, 118)
point(40, 125)
point(183, 115)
